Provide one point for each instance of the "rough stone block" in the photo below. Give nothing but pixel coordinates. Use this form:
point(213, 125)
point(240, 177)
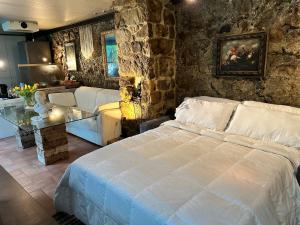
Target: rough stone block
point(169, 18)
point(52, 144)
point(155, 97)
point(163, 85)
point(162, 46)
point(24, 138)
point(155, 8)
point(161, 30)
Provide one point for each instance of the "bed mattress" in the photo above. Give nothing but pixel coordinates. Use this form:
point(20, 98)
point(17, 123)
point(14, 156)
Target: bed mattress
point(181, 175)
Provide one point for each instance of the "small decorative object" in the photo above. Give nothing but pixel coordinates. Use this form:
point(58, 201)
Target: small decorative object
point(27, 92)
point(86, 41)
point(110, 54)
point(242, 55)
point(42, 107)
point(71, 56)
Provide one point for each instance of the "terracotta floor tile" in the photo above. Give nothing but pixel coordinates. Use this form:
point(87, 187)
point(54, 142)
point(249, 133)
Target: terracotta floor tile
point(38, 180)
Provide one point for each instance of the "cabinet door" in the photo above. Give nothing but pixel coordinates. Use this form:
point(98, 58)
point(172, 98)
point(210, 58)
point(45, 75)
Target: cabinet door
point(9, 55)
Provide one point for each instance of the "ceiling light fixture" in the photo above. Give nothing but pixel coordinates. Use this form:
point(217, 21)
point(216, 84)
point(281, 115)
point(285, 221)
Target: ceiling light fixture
point(190, 1)
point(2, 64)
point(175, 2)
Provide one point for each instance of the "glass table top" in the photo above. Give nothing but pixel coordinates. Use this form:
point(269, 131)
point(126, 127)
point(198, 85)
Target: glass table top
point(21, 116)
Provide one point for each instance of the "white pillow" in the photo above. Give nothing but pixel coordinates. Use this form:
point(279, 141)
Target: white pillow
point(63, 99)
point(214, 99)
point(267, 125)
point(282, 108)
point(212, 115)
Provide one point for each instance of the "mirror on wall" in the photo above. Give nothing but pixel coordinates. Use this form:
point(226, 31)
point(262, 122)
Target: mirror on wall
point(110, 54)
point(71, 56)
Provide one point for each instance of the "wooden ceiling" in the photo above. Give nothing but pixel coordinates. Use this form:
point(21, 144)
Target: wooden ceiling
point(51, 14)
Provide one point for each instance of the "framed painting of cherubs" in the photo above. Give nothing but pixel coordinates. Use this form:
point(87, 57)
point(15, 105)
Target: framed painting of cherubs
point(242, 55)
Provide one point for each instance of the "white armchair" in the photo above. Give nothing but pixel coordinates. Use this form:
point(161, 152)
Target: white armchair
point(106, 126)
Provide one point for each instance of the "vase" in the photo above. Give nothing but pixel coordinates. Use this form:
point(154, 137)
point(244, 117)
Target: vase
point(29, 102)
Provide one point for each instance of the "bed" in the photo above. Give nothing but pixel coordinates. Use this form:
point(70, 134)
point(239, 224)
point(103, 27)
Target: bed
point(184, 173)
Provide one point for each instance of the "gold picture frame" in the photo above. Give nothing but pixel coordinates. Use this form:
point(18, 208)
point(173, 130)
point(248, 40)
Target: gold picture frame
point(242, 55)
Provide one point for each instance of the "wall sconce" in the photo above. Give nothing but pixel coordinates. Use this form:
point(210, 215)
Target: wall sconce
point(137, 91)
point(45, 59)
point(175, 2)
point(2, 64)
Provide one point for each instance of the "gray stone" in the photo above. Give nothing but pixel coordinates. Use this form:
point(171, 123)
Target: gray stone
point(90, 72)
point(198, 25)
point(155, 9)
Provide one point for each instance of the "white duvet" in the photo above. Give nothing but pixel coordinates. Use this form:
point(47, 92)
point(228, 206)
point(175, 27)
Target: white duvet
point(182, 175)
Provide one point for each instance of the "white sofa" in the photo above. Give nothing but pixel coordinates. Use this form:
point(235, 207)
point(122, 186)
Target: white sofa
point(106, 126)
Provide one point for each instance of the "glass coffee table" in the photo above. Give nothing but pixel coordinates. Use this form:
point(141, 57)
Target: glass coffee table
point(49, 135)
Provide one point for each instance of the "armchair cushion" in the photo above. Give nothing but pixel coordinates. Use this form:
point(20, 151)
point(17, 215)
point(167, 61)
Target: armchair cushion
point(107, 96)
point(86, 98)
point(109, 106)
point(63, 99)
point(89, 124)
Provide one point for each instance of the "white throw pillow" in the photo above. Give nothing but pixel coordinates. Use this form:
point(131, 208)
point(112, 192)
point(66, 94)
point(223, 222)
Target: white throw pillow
point(282, 108)
point(212, 115)
point(63, 99)
point(215, 99)
point(266, 125)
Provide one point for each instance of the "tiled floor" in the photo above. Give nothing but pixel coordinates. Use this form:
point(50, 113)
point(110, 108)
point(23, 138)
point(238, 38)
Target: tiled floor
point(38, 180)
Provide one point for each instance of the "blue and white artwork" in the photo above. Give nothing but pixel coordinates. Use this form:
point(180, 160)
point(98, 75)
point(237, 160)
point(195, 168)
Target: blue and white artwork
point(111, 54)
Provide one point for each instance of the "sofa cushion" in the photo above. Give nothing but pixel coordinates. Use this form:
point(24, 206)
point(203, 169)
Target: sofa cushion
point(85, 125)
point(86, 98)
point(106, 96)
point(64, 99)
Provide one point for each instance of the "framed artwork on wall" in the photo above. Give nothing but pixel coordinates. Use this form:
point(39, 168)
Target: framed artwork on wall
point(110, 54)
point(70, 53)
point(241, 55)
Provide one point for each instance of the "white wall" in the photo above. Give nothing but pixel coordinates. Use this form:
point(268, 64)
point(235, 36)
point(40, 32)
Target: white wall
point(9, 53)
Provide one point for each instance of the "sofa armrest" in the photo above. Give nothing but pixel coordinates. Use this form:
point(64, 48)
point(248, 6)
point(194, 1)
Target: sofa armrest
point(298, 175)
point(62, 99)
point(151, 124)
point(109, 106)
point(110, 122)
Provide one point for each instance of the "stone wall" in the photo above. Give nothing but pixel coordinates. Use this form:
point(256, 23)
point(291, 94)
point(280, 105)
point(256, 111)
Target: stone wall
point(90, 71)
point(146, 40)
point(200, 22)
